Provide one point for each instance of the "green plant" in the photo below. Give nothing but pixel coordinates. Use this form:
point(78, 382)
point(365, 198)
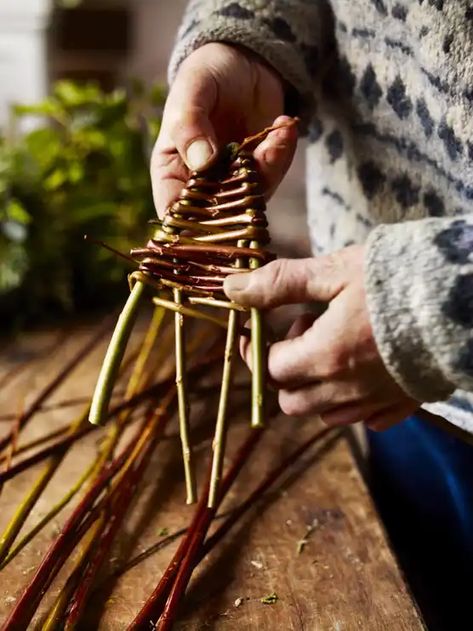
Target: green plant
point(82, 170)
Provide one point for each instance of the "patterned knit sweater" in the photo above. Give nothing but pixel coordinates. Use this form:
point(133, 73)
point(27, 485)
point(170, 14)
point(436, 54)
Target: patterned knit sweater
point(386, 90)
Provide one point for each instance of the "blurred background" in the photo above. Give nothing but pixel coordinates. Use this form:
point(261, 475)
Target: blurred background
point(82, 85)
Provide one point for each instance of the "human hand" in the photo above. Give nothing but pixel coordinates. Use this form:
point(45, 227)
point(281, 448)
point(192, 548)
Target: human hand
point(221, 94)
point(329, 365)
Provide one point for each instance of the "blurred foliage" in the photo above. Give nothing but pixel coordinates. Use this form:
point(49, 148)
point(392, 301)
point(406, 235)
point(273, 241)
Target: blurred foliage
point(84, 169)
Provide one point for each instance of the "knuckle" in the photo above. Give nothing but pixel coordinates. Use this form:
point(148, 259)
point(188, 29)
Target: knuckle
point(328, 265)
point(277, 272)
point(264, 280)
point(326, 272)
point(278, 366)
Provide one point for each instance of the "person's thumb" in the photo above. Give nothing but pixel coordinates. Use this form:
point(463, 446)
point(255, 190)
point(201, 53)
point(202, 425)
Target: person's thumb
point(287, 281)
point(187, 116)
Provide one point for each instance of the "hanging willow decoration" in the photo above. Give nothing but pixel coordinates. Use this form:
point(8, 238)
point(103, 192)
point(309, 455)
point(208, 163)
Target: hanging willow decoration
point(216, 227)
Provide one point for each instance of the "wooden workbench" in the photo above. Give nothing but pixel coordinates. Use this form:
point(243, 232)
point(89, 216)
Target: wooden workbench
point(344, 578)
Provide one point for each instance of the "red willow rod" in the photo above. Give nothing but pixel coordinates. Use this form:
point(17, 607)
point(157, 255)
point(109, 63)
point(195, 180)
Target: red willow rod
point(25, 607)
point(264, 486)
point(196, 532)
point(116, 512)
point(90, 345)
point(231, 517)
point(197, 549)
point(157, 600)
point(194, 550)
point(66, 441)
point(61, 445)
point(66, 403)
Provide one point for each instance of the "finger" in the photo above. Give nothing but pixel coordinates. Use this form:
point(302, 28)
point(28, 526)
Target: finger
point(314, 355)
point(187, 138)
point(274, 155)
point(245, 348)
point(318, 398)
point(287, 281)
point(348, 414)
point(291, 361)
point(168, 177)
point(186, 119)
point(384, 419)
point(299, 360)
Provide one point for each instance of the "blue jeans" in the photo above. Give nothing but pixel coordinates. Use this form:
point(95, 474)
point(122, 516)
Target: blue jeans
point(422, 482)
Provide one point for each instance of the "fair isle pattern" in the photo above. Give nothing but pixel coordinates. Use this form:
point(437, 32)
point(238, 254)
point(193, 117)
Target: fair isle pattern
point(385, 88)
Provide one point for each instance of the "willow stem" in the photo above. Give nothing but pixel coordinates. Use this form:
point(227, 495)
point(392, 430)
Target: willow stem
point(113, 358)
point(113, 509)
point(183, 404)
point(113, 516)
point(196, 535)
point(74, 528)
point(212, 302)
point(221, 425)
point(137, 376)
point(54, 384)
point(186, 311)
point(265, 484)
point(258, 357)
point(24, 509)
point(231, 517)
point(257, 138)
point(57, 508)
point(133, 402)
point(17, 521)
point(55, 617)
point(98, 467)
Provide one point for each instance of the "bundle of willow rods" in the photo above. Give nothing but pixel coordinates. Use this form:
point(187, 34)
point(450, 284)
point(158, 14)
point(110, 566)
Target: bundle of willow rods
point(216, 227)
point(109, 483)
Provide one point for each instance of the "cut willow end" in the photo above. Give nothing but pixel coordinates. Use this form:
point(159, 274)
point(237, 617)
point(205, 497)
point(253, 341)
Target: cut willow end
point(183, 404)
point(113, 358)
point(258, 357)
point(221, 425)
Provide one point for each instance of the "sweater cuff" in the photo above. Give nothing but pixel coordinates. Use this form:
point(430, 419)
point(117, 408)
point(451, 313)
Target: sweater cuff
point(405, 278)
point(283, 56)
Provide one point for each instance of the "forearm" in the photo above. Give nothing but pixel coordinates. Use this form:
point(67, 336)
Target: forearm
point(419, 280)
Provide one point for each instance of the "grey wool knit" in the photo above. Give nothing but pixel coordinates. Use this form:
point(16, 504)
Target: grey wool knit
point(385, 89)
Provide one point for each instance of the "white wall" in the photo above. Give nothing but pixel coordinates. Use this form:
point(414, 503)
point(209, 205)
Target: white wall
point(23, 72)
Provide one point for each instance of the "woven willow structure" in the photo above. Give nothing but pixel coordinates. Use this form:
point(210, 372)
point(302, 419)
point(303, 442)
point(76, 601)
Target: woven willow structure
point(215, 228)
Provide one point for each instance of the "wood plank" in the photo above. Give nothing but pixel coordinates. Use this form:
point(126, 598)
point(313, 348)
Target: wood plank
point(345, 578)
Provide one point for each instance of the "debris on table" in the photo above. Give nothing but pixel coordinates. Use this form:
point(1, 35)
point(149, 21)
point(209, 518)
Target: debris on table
point(270, 599)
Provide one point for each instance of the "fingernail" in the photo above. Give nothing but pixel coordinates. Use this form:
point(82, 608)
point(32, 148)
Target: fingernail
point(198, 154)
point(236, 284)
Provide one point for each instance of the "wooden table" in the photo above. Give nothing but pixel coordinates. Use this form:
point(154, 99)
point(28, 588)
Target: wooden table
point(343, 578)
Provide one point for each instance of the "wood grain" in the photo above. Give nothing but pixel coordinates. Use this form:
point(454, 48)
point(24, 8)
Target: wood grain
point(345, 578)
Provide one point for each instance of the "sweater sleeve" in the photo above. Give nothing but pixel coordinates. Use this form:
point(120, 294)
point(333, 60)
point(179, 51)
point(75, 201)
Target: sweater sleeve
point(419, 282)
point(286, 34)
